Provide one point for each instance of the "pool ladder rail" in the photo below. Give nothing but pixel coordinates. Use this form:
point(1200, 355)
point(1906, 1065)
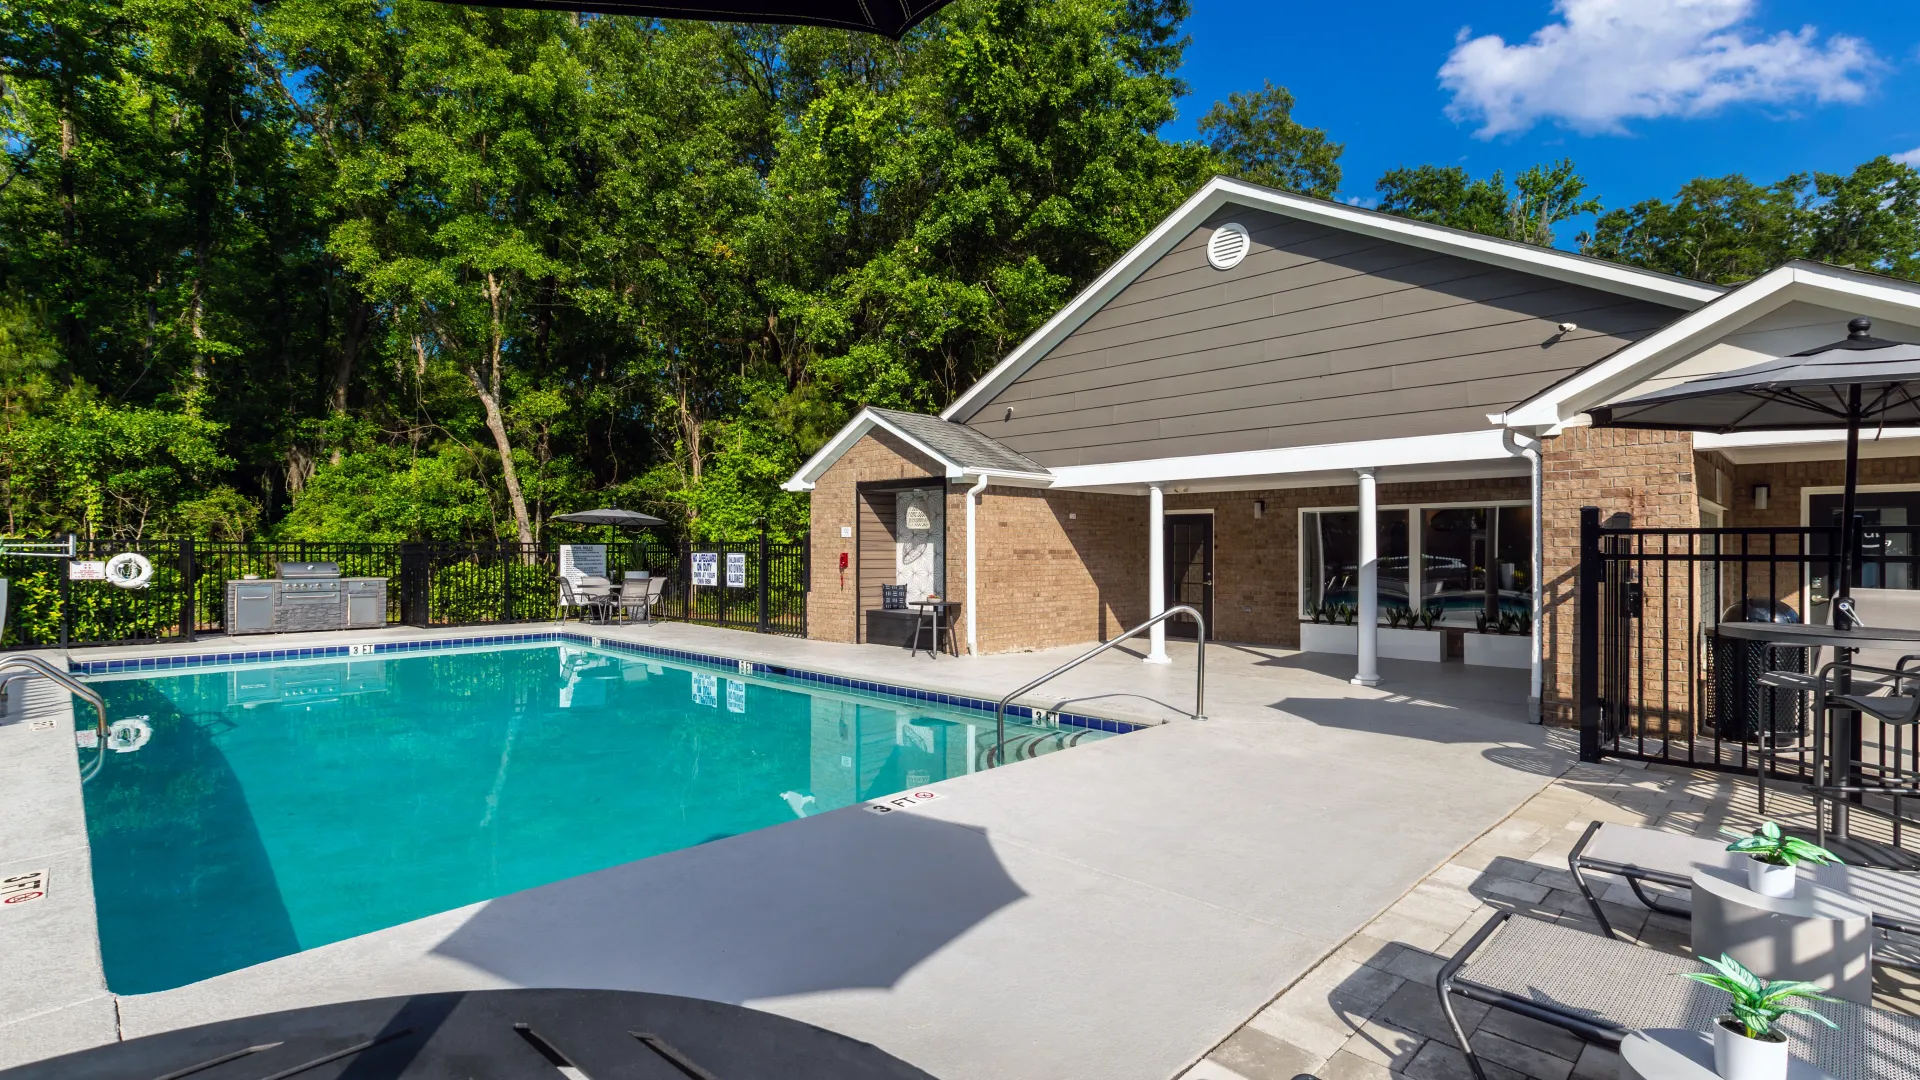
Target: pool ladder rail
point(65, 680)
point(1199, 673)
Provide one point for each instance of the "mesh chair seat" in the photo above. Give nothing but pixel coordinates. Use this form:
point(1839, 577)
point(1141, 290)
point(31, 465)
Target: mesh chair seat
point(1600, 989)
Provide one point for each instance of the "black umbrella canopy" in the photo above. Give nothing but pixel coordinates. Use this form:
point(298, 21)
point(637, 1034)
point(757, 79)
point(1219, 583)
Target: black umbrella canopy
point(1860, 380)
point(1843, 386)
point(888, 18)
point(619, 519)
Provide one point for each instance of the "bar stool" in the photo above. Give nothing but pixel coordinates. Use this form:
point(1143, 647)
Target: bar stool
point(1898, 708)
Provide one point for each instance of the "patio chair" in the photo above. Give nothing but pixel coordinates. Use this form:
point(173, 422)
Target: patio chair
point(641, 595)
point(595, 604)
point(1600, 989)
point(1649, 856)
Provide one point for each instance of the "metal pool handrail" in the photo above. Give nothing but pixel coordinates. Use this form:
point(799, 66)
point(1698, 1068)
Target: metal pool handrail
point(77, 689)
point(1199, 674)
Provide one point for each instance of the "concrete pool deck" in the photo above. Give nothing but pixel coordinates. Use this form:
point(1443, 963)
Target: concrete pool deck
point(1111, 912)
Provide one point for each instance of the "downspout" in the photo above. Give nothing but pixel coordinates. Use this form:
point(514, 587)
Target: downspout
point(1530, 449)
point(973, 625)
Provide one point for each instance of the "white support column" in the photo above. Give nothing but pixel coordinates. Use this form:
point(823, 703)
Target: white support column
point(1367, 620)
point(1157, 574)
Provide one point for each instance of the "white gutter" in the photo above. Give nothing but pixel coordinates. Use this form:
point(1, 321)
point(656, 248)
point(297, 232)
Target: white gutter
point(1530, 449)
point(973, 625)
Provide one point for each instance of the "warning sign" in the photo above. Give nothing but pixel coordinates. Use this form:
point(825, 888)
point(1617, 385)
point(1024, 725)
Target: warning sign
point(706, 567)
point(736, 569)
point(87, 570)
point(23, 888)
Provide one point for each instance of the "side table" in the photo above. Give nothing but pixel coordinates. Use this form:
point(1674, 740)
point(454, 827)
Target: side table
point(1678, 1054)
point(1816, 935)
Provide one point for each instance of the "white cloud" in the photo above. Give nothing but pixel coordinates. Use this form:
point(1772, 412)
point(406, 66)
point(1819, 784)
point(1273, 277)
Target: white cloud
point(1609, 61)
point(1911, 157)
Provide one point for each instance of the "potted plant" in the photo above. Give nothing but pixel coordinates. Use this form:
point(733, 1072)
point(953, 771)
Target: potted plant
point(1745, 1044)
point(1774, 857)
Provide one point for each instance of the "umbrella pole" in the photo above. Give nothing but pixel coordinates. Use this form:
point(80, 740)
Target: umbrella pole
point(1843, 679)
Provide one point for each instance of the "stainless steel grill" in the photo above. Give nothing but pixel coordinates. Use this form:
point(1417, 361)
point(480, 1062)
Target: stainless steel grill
point(305, 596)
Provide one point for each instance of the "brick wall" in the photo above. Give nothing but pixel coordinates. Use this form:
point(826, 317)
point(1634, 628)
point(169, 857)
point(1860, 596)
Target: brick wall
point(833, 607)
point(1056, 567)
point(1648, 474)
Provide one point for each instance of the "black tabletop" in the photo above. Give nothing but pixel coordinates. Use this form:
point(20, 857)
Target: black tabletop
point(492, 1035)
point(1860, 637)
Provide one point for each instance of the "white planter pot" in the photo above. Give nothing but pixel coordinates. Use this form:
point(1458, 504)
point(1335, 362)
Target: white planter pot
point(1498, 650)
point(1736, 1057)
point(1402, 644)
point(1770, 880)
point(1329, 638)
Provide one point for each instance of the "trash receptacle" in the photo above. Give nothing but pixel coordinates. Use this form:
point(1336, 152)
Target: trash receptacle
point(1742, 708)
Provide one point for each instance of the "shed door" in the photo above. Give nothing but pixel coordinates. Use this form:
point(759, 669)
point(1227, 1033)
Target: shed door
point(1189, 548)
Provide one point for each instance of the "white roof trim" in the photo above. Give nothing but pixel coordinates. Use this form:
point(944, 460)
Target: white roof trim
point(1633, 364)
point(1220, 191)
point(1416, 451)
point(867, 420)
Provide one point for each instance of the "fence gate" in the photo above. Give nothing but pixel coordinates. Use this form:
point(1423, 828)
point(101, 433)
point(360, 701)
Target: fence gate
point(1657, 681)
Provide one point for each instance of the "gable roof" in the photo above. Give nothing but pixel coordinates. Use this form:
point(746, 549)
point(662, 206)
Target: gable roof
point(958, 449)
point(1855, 291)
point(1221, 191)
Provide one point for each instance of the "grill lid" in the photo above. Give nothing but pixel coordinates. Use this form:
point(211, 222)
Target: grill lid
point(307, 571)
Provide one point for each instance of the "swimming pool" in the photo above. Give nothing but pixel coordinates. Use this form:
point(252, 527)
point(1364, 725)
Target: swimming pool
point(252, 810)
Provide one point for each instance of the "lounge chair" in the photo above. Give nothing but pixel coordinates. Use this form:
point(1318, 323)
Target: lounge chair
point(1649, 856)
point(1600, 989)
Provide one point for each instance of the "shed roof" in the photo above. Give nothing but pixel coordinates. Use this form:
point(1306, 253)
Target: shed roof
point(958, 449)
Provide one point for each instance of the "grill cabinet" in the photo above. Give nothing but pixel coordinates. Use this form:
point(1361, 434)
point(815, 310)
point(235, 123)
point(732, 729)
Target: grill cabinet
point(303, 597)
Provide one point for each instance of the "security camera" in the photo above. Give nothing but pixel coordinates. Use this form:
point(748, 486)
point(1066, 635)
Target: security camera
point(1568, 328)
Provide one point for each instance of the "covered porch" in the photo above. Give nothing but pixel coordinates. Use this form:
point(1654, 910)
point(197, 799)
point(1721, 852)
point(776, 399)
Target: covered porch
point(1420, 549)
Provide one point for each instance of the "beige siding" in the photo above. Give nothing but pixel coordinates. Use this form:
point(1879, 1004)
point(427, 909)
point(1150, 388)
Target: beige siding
point(1318, 336)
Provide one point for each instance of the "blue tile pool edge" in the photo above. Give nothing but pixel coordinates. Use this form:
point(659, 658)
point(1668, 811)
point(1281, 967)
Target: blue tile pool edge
point(742, 667)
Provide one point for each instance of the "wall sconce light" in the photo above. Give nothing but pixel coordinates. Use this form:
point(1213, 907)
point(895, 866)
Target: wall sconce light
point(1761, 493)
point(1259, 509)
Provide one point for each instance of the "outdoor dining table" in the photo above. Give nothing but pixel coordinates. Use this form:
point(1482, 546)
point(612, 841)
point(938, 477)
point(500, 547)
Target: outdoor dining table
point(1844, 643)
point(493, 1035)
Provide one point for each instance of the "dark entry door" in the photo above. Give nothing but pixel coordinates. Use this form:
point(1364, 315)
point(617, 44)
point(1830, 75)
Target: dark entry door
point(1189, 547)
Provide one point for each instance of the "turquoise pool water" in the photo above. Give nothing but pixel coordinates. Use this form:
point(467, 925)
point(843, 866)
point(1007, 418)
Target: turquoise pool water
point(276, 807)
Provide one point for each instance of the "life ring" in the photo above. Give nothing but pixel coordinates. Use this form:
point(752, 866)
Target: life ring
point(129, 570)
point(127, 735)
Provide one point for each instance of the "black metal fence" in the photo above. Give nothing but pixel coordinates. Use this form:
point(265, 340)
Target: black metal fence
point(429, 584)
point(1658, 681)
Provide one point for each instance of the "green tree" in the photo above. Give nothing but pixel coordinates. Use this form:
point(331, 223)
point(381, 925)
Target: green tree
point(1540, 199)
point(1256, 138)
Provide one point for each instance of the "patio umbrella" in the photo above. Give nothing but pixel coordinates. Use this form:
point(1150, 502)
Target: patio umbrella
point(1849, 384)
point(888, 18)
point(619, 519)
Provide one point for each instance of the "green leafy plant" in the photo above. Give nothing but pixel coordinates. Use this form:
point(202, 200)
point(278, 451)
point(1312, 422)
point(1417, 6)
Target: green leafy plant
point(1758, 1004)
point(1770, 845)
point(1348, 613)
point(1480, 621)
point(1398, 616)
point(1429, 616)
point(1316, 611)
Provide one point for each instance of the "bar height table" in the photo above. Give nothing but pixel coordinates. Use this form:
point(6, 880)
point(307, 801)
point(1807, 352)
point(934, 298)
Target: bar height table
point(1844, 643)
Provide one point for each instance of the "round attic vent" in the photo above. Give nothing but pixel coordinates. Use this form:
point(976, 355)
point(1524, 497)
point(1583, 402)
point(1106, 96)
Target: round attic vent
point(1227, 246)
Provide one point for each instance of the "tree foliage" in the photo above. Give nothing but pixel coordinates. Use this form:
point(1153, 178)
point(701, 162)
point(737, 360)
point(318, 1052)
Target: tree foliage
point(1257, 139)
point(1539, 200)
point(1729, 229)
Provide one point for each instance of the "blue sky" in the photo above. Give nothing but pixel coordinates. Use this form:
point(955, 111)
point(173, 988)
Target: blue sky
point(1642, 94)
